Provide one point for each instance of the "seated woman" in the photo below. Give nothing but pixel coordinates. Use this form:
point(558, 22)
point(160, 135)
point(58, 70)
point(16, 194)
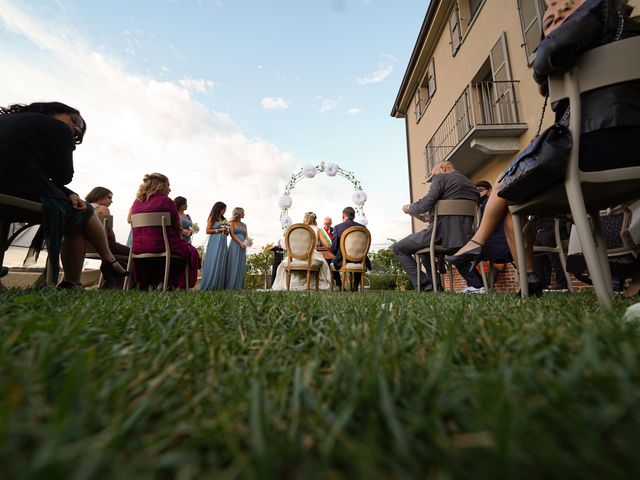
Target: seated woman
point(101, 199)
point(299, 279)
point(36, 160)
point(185, 219)
point(610, 115)
point(153, 196)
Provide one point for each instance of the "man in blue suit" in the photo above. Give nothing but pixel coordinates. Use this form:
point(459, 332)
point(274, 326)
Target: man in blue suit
point(348, 215)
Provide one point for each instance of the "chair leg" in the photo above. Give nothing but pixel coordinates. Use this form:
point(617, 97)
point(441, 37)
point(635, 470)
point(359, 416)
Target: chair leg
point(186, 275)
point(317, 280)
point(362, 281)
point(167, 265)
point(520, 252)
point(418, 268)
point(288, 279)
point(308, 279)
point(450, 268)
point(601, 247)
point(432, 264)
point(562, 256)
point(483, 274)
point(590, 251)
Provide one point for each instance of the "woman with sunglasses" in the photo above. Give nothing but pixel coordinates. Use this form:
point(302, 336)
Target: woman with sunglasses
point(36, 163)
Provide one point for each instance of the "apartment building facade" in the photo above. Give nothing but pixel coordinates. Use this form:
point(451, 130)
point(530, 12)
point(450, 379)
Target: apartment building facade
point(468, 95)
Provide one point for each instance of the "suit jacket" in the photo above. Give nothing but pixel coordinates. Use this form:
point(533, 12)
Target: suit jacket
point(36, 156)
point(335, 246)
point(453, 231)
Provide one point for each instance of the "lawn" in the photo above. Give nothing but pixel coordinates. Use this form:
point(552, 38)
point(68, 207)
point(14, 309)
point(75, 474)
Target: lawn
point(322, 385)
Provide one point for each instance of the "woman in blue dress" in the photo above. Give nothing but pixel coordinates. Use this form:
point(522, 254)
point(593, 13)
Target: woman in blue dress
point(185, 219)
point(213, 270)
point(237, 256)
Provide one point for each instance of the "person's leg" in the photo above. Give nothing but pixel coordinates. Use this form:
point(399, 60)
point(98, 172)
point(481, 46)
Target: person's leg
point(472, 277)
point(494, 212)
point(528, 242)
point(94, 233)
point(404, 250)
point(72, 254)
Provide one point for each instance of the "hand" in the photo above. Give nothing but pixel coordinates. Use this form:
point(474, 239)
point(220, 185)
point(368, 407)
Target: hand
point(243, 245)
point(77, 203)
point(186, 233)
point(405, 208)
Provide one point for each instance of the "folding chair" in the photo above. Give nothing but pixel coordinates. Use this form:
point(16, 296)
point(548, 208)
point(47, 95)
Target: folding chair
point(161, 220)
point(584, 194)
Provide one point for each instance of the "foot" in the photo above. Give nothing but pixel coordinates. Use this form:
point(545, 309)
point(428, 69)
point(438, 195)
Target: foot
point(474, 290)
point(471, 244)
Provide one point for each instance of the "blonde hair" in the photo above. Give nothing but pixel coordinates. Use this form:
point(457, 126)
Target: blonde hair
point(309, 218)
point(235, 213)
point(151, 183)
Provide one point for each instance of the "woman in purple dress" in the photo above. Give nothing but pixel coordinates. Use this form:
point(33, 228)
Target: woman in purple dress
point(153, 196)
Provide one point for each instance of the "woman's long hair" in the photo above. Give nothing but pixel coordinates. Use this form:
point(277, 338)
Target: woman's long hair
point(97, 194)
point(48, 108)
point(309, 219)
point(152, 183)
point(236, 213)
point(216, 211)
point(180, 201)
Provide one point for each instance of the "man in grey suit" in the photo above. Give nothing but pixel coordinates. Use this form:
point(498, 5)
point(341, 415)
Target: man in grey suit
point(453, 231)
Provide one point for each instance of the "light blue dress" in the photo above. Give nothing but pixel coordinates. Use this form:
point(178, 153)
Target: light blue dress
point(215, 258)
point(186, 223)
point(236, 261)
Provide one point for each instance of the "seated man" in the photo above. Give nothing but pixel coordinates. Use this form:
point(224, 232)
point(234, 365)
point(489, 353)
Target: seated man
point(446, 184)
point(348, 215)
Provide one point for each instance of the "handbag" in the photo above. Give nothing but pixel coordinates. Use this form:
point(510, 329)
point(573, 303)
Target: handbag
point(541, 164)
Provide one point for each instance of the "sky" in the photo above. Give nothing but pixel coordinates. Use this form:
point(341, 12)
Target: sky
point(228, 98)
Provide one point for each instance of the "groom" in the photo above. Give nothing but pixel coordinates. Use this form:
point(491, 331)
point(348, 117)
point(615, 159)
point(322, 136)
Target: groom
point(348, 215)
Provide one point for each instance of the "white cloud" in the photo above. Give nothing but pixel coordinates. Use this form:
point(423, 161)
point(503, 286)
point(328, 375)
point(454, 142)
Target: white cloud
point(354, 111)
point(138, 125)
point(196, 84)
point(271, 103)
point(325, 104)
point(385, 67)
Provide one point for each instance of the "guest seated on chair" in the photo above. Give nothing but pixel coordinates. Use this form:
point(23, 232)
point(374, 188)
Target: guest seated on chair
point(36, 160)
point(101, 199)
point(446, 184)
point(153, 196)
point(610, 115)
point(348, 216)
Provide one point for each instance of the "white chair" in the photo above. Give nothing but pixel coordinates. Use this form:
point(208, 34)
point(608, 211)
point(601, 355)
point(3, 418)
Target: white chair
point(465, 208)
point(585, 193)
point(161, 220)
point(354, 245)
point(18, 210)
point(300, 241)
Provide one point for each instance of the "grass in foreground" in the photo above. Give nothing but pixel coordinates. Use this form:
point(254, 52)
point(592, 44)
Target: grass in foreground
point(263, 385)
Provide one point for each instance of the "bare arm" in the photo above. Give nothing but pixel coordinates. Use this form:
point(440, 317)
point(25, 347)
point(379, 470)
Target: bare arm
point(233, 236)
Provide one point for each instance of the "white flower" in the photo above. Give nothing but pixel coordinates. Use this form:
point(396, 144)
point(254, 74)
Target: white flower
point(195, 228)
point(309, 171)
point(362, 220)
point(359, 197)
point(286, 223)
point(285, 201)
point(248, 241)
point(331, 169)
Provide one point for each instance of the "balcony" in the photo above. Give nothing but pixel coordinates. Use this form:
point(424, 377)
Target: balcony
point(484, 121)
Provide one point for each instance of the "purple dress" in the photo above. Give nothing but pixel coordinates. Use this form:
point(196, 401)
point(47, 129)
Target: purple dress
point(149, 240)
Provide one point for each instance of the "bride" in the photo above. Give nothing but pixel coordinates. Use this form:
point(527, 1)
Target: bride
point(299, 278)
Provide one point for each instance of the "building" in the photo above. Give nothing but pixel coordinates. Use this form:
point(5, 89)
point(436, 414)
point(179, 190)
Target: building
point(468, 95)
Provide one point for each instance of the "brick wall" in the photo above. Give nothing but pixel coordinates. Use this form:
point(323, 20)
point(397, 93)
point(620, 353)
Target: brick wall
point(507, 281)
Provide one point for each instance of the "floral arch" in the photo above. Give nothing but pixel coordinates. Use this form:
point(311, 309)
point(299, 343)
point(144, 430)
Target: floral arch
point(359, 197)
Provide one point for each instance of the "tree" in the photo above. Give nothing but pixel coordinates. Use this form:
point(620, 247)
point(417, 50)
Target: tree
point(260, 263)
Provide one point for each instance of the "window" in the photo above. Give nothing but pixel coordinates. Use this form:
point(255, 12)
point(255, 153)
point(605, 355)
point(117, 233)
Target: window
point(425, 91)
point(474, 5)
point(531, 13)
point(455, 29)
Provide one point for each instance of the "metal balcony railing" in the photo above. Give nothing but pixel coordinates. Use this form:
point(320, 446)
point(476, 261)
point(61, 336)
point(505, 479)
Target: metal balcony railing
point(481, 103)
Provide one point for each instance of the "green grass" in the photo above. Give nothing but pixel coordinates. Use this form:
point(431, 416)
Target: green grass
point(322, 385)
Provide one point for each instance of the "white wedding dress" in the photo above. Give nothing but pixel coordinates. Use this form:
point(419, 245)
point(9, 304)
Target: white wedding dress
point(299, 279)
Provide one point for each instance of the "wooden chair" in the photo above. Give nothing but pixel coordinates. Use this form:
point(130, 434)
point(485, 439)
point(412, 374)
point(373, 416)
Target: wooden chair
point(300, 241)
point(107, 223)
point(18, 210)
point(584, 194)
point(354, 245)
point(160, 220)
point(465, 208)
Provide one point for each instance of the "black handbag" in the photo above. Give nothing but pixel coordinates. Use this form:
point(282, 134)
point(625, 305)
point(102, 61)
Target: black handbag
point(541, 164)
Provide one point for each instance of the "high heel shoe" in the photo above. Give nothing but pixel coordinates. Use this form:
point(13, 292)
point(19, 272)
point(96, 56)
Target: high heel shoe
point(474, 256)
point(64, 285)
point(108, 272)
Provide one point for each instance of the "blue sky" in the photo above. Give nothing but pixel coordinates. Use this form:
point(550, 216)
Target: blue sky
point(228, 97)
